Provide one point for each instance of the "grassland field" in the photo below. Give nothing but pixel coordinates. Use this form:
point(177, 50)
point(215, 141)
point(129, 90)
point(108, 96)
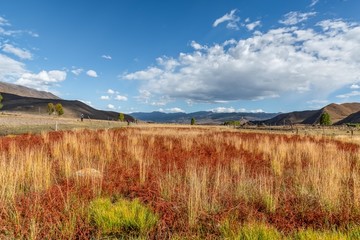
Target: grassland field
point(107, 180)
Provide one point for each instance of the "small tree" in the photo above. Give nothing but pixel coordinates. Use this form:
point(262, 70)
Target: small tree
point(50, 108)
point(325, 119)
point(193, 122)
point(59, 109)
point(1, 98)
point(121, 117)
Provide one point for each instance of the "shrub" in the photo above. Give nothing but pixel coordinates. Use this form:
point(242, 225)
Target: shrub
point(50, 108)
point(121, 117)
point(122, 218)
point(193, 122)
point(1, 98)
point(59, 109)
point(325, 119)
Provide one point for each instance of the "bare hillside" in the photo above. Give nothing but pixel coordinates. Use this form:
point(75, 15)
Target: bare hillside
point(25, 91)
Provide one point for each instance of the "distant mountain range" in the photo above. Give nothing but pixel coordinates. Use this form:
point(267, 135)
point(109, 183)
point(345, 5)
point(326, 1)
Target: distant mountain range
point(17, 98)
point(202, 117)
point(339, 114)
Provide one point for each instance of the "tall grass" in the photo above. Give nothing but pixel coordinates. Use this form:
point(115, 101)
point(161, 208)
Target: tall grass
point(193, 178)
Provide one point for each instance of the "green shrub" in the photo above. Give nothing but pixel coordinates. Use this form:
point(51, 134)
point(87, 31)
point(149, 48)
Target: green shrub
point(122, 218)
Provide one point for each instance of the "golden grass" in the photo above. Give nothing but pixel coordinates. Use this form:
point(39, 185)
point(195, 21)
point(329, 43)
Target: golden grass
point(204, 171)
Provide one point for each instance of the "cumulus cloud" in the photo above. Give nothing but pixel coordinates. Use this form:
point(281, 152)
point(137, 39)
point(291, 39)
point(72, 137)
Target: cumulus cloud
point(253, 25)
point(223, 110)
point(175, 110)
point(105, 98)
point(10, 69)
point(231, 19)
point(110, 91)
point(350, 94)
point(77, 71)
point(108, 57)
point(21, 53)
point(121, 98)
point(92, 73)
point(285, 60)
point(42, 80)
point(110, 106)
point(355, 86)
point(86, 102)
point(293, 18)
point(257, 111)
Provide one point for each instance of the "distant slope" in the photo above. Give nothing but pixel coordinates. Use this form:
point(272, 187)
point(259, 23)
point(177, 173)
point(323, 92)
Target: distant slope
point(15, 103)
point(204, 117)
point(25, 91)
point(352, 118)
point(297, 117)
point(337, 112)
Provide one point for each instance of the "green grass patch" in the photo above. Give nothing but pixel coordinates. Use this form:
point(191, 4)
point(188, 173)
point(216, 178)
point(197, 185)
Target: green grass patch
point(249, 231)
point(309, 234)
point(122, 218)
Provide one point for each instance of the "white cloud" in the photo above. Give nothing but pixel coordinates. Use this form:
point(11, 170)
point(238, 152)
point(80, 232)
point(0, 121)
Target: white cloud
point(110, 91)
point(105, 98)
point(21, 53)
point(313, 3)
point(147, 74)
point(281, 61)
point(92, 73)
point(4, 22)
point(77, 71)
point(121, 98)
point(253, 25)
point(317, 101)
point(231, 19)
point(86, 102)
point(223, 110)
point(355, 86)
point(110, 106)
point(108, 57)
point(197, 46)
point(293, 18)
point(257, 111)
point(350, 94)
point(43, 80)
point(175, 110)
point(10, 69)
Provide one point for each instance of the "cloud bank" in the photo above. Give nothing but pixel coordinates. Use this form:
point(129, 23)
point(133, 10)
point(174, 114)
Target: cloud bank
point(285, 60)
point(42, 80)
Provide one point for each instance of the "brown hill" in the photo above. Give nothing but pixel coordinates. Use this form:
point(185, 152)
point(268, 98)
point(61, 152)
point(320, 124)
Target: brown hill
point(353, 118)
point(290, 118)
point(25, 91)
point(338, 113)
point(73, 109)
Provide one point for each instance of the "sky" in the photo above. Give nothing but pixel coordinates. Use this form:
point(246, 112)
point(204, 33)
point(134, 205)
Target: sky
point(185, 56)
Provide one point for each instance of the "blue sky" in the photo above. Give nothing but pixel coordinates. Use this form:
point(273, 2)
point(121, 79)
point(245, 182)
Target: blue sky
point(172, 56)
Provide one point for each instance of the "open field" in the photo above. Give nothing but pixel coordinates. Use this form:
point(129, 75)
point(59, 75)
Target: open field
point(19, 123)
point(179, 182)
